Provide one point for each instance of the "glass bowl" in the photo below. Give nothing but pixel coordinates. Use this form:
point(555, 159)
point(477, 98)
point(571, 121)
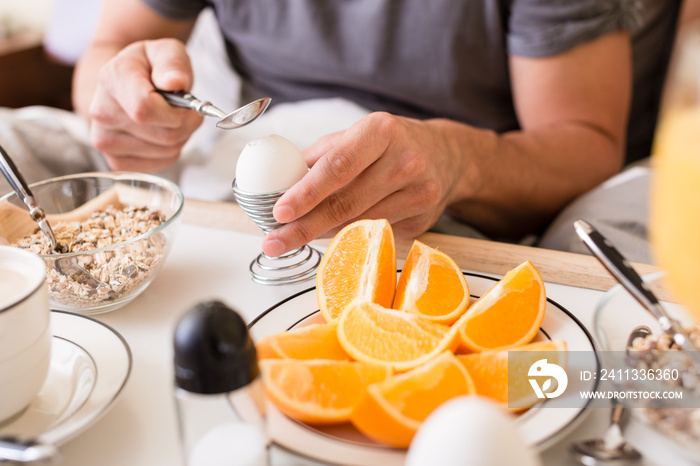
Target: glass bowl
point(121, 226)
point(676, 419)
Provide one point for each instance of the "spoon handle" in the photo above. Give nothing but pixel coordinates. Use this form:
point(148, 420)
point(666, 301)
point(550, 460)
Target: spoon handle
point(17, 182)
point(617, 411)
point(186, 100)
point(621, 269)
point(23, 451)
point(15, 178)
point(180, 99)
point(616, 264)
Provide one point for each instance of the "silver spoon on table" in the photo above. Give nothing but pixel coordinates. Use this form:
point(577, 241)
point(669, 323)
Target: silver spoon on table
point(240, 117)
point(611, 447)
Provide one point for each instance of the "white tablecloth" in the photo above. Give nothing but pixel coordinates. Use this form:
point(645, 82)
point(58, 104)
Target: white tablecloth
point(206, 263)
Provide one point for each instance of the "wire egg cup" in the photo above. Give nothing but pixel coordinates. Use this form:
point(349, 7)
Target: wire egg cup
point(295, 266)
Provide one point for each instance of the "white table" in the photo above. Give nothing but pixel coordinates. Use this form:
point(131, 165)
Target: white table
point(209, 263)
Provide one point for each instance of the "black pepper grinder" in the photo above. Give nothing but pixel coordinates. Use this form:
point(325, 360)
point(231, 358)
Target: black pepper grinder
point(216, 367)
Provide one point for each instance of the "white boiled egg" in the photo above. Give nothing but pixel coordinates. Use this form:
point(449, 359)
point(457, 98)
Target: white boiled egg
point(470, 430)
point(268, 165)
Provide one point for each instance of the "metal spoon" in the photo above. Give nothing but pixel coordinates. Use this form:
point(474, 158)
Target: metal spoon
point(611, 447)
point(621, 269)
point(16, 180)
point(15, 450)
point(240, 117)
point(65, 265)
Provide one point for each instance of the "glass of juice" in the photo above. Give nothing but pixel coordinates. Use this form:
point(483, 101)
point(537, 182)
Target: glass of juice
point(674, 223)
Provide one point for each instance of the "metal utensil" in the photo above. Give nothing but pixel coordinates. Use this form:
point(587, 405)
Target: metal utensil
point(20, 451)
point(16, 180)
point(64, 265)
point(296, 266)
point(621, 269)
point(240, 117)
point(69, 267)
point(611, 447)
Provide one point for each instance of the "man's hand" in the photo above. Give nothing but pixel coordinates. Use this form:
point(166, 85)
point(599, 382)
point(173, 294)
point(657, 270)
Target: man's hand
point(133, 125)
point(384, 166)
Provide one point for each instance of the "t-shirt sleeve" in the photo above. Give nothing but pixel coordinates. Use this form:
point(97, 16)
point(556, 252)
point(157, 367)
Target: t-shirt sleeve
point(547, 27)
point(177, 9)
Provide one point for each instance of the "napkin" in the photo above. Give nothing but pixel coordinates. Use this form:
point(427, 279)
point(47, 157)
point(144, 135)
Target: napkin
point(618, 208)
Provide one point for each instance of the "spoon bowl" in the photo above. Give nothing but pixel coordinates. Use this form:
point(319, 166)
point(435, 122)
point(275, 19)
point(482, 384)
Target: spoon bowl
point(244, 115)
point(598, 451)
point(236, 119)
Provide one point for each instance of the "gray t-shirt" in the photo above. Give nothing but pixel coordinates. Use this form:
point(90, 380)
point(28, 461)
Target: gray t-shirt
point(429, 58)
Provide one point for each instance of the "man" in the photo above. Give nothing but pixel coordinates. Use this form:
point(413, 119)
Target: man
point(498, 113)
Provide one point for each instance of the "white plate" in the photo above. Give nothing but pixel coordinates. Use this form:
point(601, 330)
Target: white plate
point(90, 363)
point(343, 445)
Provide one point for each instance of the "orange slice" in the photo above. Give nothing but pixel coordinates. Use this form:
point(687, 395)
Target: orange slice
point(431, 285)
point(490, 371)
point(317, 341)
point(373, 334)
point(508, 315)
point(360, 263)
point(392, 411)
point(318, 391)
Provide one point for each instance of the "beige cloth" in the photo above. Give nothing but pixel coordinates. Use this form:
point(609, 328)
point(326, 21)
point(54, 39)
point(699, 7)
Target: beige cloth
point(46, 142)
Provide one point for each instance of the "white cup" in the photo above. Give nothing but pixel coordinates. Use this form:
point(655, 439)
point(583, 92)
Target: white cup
point(25, 333)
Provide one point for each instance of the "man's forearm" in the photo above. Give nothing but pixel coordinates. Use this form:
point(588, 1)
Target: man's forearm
point(573, 109)
point(517, 182)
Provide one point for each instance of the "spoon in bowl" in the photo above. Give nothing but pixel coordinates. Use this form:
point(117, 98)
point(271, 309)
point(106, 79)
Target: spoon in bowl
point(16, 180)
point(621, 269)
point(240, 117)
point(64, 265)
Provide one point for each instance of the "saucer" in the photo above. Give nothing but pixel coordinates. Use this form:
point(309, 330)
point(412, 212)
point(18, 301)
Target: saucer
point(90, 364)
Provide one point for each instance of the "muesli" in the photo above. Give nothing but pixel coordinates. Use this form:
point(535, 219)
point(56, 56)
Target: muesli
point(123, 269)
point(659, 351)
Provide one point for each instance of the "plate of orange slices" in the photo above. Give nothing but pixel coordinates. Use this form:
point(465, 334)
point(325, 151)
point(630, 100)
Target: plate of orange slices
point(352, 366)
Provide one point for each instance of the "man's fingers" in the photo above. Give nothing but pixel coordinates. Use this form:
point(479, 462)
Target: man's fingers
point(127, 78)
point(356, 150)
point(120, 143)
point(158, 135)
point(110, 121)
point(398, 206)
point(171, 69)
point(318, 149)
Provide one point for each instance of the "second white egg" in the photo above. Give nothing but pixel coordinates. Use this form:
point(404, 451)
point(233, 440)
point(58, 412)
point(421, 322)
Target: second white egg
point(470, 430)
